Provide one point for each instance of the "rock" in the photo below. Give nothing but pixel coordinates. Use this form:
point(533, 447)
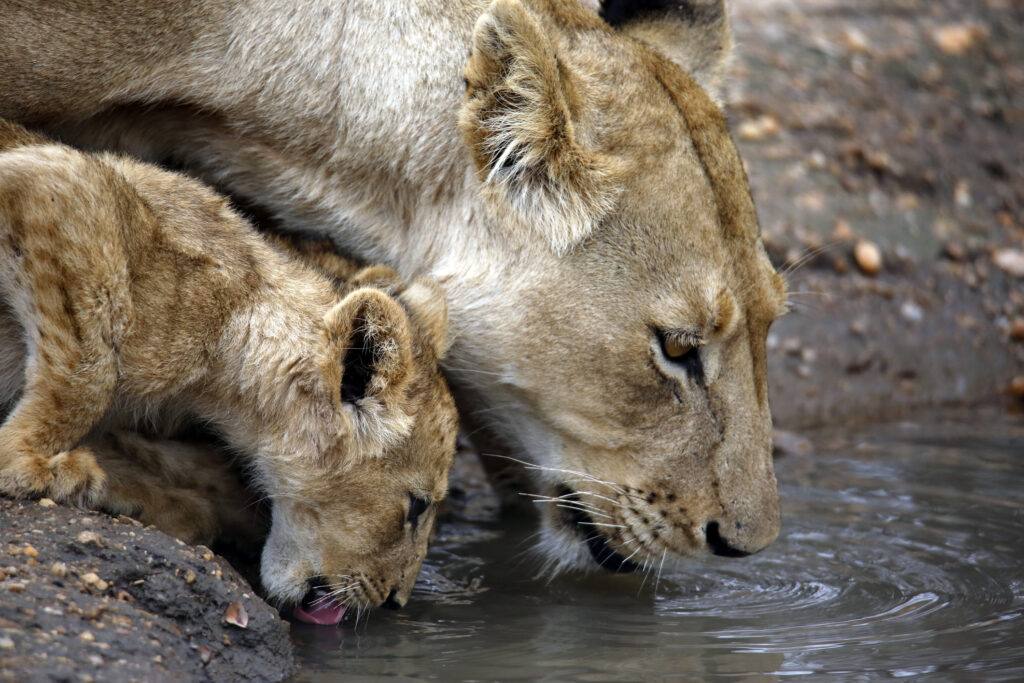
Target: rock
point(237, 615)
point(90, 537)
point(82, 608)
point(842, 231)
point(868, 257)
point(956, 39)
point(1017, 329)
point(955, 252)
point(1016, 387)
point(911, 312)
point(759, 128)
point(1010, 260)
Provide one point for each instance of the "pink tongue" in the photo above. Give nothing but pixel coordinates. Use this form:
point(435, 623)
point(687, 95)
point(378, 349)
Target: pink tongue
point(325, 613)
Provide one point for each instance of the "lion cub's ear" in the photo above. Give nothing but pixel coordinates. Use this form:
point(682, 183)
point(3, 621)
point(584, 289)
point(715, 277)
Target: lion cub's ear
point(517, 123)
point(368, 333)
point(428, 310)
point(694, 34)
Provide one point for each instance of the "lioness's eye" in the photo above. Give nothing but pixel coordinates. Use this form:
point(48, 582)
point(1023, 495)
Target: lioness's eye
point(674, 348)
point(680, 353)
point(417, 506)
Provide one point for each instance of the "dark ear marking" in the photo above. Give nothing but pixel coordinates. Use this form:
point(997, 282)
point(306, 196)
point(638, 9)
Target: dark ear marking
point(358, 365)
point(620, 12)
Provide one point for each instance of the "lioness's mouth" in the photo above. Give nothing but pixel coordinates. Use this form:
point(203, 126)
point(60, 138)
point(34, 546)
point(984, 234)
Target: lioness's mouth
point(319, 607)
point(583, 525)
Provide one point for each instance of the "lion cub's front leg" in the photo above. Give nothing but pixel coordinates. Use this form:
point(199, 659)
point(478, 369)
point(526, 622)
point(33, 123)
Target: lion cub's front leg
point(68, 386)
point(64, 311)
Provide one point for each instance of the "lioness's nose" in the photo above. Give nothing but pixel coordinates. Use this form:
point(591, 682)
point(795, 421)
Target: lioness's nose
point(393, 601)
point(719, 545)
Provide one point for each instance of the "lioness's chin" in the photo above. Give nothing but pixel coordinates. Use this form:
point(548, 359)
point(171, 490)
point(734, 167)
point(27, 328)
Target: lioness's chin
point(570, 541)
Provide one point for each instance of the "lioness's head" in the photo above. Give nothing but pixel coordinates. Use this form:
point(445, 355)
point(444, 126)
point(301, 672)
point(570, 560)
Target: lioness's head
point(356, 492)
point(624, 348)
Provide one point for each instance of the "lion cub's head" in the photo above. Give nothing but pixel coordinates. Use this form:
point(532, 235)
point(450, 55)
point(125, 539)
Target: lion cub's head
point(352, 517)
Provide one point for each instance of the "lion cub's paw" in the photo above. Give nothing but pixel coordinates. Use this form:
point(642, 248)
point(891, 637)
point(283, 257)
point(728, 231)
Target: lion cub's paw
point(76, 478)
point(26, 476)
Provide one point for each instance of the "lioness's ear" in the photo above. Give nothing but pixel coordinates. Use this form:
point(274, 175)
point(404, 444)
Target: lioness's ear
point(694, 34)
point(370, 334)
point(428, 310)
point(517, 123)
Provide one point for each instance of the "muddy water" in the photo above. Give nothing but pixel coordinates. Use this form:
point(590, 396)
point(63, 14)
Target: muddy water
point(901, 556)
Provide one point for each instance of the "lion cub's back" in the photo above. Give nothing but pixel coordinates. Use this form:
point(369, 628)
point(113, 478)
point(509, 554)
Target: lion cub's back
point(158, 262)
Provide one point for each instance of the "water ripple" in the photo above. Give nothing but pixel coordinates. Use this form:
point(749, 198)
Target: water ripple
point(901, 556)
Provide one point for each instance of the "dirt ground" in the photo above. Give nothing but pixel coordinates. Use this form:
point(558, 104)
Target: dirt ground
point(884, 146)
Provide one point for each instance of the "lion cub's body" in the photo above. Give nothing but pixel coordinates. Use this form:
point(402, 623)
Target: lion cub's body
point(135, 297)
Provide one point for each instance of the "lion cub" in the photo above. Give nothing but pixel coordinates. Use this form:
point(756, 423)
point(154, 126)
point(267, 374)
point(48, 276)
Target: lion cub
point(136, 298)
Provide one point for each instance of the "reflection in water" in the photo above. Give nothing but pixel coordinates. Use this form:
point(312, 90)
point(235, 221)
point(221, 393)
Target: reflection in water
point(902, 555)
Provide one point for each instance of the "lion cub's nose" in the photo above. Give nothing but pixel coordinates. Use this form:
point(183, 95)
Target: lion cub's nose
point(719, 545)
point(393, 601)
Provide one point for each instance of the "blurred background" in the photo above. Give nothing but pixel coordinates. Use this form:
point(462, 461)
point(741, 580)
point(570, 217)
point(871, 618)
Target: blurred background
point(885, 147)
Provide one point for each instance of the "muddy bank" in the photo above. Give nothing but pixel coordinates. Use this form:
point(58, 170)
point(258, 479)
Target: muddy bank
point(858, 348)
point(897, 126)
point(85, 596)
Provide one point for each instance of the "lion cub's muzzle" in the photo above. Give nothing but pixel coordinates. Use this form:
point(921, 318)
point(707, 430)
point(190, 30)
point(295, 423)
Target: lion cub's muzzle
point(319, 606)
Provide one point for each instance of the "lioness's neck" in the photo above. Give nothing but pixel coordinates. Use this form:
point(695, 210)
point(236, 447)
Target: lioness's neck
point(360, 156)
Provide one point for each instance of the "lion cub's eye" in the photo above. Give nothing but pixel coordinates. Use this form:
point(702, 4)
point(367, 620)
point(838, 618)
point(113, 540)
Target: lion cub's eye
point(417, 506)
point(685, 355)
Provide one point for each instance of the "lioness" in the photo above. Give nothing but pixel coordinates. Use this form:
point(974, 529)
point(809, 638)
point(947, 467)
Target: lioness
point(135, 297)
point(573, 186)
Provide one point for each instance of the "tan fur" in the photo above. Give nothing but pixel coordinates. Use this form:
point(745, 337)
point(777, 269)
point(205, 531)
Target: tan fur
point(572, 186)
point(136, 298)
point(188, 489)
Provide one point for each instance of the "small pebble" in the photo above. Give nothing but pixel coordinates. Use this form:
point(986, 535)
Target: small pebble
point(955, 251)
point(1010, 260)
point(16, 587)
point(868, 257)
point(30, 551)
point(956, 39)
point(86, 636)
point(759, 128)
point(1016, 387)
point(205, 654)
point(59, 569)
point(912, 312)
point(842, 231)
point(47, 503)
point(237, 615)
point(190, 577)
point(89, 538)
point(1017, 329)
point(91, 579)
point(6, 643)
